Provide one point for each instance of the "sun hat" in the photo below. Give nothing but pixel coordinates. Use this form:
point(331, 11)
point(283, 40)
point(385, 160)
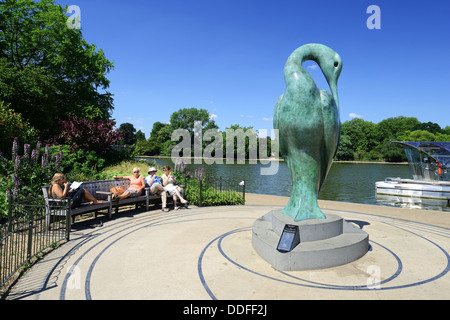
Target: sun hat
point(151, 169)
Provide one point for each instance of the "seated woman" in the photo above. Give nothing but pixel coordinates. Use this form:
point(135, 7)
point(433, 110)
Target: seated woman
point(137, 184)
point(169, 183)
point(57, 191)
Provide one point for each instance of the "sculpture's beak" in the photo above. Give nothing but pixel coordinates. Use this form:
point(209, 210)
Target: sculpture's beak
point(334, 92)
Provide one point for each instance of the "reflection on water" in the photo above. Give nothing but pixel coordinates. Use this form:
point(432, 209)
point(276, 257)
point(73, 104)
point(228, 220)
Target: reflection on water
point(348, 182)
point(412, 203)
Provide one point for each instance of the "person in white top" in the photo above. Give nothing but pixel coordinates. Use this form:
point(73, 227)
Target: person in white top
point(170, 184)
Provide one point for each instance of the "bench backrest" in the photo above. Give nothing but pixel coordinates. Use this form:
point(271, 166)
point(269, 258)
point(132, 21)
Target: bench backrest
point(94, 186)
point(104, 185)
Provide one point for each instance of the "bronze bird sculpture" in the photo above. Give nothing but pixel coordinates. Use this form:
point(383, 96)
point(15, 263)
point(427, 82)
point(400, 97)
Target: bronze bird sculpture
point(309, 127)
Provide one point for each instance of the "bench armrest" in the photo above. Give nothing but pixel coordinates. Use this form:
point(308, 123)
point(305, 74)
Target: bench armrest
point(57, 200)
point(104, 192)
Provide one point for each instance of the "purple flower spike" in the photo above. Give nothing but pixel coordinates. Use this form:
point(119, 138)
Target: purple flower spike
point(15, 148)
point(26, 151)
point(45, 160)
point(34, 156)
point(17, 163)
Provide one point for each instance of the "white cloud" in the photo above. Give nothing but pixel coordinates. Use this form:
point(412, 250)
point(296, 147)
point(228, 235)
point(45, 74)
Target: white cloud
point(213, 116)
point(313, 67)
point(354, 115)
point(267, 119)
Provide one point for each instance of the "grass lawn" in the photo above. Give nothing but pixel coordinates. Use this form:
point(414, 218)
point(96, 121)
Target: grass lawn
point(125, 168)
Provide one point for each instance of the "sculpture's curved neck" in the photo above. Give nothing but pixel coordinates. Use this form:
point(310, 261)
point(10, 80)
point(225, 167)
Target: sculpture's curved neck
point(323, 56)
point(305, 53)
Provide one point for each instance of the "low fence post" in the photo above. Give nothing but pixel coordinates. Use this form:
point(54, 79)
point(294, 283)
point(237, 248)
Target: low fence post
point(201, 191)
point(30, 235)
point(10, 210)
point(243, 193)
point(68, 218)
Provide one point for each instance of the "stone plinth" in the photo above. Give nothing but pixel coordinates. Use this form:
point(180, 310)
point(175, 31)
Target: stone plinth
point(324, 243)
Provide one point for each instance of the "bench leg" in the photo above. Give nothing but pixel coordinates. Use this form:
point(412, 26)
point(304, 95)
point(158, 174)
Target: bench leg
point(147, 194)
point(110, 206)
point(47, 220)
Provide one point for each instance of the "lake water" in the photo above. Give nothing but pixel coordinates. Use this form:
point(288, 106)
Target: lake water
point(348, 182)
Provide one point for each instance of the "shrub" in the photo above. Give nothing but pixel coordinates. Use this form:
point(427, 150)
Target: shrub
point(212, 195)
point(13, 125)
point(22, 175)
point(89, 135)
point(213, 192)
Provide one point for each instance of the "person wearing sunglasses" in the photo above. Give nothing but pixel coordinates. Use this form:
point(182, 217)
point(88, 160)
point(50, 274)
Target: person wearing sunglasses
point(155, 185)
point(60, 189)
point(137, 184)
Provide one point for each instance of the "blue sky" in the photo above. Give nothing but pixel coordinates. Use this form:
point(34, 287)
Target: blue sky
point(228, 56)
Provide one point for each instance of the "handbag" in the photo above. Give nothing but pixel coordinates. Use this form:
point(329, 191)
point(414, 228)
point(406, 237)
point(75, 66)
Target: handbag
point(118, 190)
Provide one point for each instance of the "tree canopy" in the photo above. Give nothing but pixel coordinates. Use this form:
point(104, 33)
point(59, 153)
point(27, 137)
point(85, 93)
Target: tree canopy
point(48, 70)
point(360, 139)
point(365, 140)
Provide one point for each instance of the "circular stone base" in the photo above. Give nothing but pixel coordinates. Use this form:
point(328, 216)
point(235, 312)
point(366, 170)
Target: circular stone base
point(324, 243)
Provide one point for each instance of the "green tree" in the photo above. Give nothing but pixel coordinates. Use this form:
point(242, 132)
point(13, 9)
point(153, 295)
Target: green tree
point(417, 135)
point(186, 118)
point(129, 133)
point(50, 71)
point(393, 152)
point(13, 125)
point(424, 135)
point(392, 128)
point(362, 134)
point(442, 136)
point(244, 140)
point(345, 150)
point(447, 130)
point(140, 135)
point(159, 135)
point(430, 127)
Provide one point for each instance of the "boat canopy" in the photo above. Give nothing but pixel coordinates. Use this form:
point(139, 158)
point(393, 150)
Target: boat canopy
point(428, 160)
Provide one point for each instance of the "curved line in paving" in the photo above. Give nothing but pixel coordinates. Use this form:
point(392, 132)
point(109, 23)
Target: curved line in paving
point(85, 239)
point(359, 287)
point(322, 286)
point(158, 220)
point(145, 221)
point(335, 287)
point(69, 272)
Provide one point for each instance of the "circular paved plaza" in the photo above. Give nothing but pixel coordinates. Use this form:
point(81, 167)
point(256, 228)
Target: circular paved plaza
point(207, 254)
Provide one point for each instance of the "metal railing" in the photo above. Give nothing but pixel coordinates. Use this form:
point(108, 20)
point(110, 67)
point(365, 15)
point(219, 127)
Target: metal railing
point(26, 235)
point(215, 192)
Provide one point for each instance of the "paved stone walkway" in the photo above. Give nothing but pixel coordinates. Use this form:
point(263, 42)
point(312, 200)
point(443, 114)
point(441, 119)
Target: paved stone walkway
point(207, 254)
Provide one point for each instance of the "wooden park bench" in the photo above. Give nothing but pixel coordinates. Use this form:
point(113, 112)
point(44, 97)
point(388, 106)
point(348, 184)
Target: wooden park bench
point(101, 191)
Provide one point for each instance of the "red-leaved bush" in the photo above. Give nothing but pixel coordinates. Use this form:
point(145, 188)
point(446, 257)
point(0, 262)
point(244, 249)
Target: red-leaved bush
point(88, 135)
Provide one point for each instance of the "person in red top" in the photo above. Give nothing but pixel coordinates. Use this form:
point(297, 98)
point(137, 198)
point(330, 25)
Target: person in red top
point(137, 184)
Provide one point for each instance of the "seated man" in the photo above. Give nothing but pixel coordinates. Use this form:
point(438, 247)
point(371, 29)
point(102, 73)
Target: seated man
point(156, 187)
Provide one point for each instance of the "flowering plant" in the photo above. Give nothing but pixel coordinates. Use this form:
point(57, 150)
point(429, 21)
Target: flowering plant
point(89, 135)
point(27, 172)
